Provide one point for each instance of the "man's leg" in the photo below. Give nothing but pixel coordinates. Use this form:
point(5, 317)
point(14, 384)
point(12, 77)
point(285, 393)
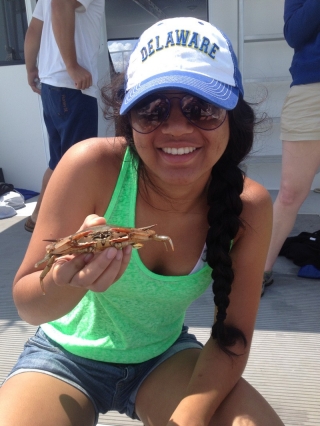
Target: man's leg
point(80, 120)
point(45, 180)
point(31, 220)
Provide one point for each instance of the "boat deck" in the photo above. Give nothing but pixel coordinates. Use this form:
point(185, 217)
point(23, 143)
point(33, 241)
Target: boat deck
point(284, 360)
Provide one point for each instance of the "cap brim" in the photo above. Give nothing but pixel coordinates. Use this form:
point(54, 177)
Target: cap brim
point(213, 91)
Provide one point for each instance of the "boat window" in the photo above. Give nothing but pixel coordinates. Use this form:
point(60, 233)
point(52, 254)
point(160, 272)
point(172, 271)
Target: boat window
point(120, 51)
point(13, 27)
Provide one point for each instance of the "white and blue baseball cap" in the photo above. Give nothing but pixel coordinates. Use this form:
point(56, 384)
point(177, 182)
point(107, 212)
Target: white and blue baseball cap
point(186, 54)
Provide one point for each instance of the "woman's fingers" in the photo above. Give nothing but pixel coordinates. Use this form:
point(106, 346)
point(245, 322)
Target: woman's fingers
point(66, 267)
point(125, 260)
point(101, 272)
point(94, 272)
point(92, 220)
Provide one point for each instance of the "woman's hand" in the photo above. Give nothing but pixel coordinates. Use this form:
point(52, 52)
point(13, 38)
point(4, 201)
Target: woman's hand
point(91, 271)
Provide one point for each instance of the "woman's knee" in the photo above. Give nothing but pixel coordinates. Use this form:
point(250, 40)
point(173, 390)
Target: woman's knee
point(245, 406)
point(291, 196)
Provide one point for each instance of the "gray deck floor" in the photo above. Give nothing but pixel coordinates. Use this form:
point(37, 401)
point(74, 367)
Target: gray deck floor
point(284, 360)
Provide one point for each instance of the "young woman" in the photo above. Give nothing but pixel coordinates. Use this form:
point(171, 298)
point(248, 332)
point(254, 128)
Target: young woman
point(111, 332)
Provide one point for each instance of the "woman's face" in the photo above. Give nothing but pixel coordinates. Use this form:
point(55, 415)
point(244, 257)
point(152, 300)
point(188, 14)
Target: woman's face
point(178, 152)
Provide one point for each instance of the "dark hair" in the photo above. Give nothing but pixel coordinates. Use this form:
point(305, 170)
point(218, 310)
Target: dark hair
point(225, 205)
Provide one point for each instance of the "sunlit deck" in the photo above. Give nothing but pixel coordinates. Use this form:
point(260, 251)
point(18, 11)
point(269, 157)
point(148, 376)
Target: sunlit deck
point(284, 361)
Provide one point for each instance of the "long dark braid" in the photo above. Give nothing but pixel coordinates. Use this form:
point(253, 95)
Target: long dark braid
point(225, 205)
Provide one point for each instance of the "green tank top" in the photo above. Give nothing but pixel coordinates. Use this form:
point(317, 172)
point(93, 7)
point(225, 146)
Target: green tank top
point(141, 315)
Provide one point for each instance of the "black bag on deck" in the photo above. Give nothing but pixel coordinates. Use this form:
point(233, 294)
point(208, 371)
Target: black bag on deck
point(304, 249)
point(5, 187)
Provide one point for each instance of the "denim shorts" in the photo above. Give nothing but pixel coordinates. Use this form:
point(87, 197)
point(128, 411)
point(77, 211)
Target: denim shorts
point(70, 117)
point(109, 386)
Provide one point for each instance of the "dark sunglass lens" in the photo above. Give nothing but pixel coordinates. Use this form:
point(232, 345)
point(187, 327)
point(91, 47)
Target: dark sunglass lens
point(147, 115)
point(202, 113)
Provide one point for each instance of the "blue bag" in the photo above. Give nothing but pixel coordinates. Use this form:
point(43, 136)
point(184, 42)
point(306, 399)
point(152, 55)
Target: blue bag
point(309, 271)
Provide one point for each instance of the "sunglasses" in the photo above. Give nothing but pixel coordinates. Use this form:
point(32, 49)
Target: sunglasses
point(147, 115)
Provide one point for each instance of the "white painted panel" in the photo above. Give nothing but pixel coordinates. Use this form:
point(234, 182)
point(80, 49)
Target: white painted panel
point(224, 14)
point(22, 149)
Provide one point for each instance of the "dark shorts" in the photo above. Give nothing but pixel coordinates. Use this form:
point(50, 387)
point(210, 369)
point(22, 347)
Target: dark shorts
point(108, 386)
point(70, 117)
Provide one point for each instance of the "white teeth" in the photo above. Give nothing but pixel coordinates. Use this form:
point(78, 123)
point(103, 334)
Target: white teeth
point(178, 151)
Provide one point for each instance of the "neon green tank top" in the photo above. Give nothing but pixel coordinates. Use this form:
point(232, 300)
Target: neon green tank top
point(141, 315)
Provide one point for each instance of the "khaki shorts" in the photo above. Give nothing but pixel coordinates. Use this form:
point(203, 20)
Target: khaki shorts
point(300, 117)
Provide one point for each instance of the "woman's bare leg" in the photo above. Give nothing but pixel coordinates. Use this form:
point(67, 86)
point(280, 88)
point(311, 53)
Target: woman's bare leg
point(300, 161)
point(38, 399)
point(163, 389)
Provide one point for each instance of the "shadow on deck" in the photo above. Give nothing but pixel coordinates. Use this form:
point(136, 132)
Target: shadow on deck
point(284, 360)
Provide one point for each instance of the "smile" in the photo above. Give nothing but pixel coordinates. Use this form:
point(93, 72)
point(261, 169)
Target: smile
point(179, 151)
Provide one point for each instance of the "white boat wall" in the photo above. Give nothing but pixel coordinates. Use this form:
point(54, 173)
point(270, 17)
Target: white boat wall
point(255, 28)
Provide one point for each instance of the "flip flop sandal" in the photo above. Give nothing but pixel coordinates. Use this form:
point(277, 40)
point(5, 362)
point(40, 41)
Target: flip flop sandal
point(317, 190)
point(29, 224)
